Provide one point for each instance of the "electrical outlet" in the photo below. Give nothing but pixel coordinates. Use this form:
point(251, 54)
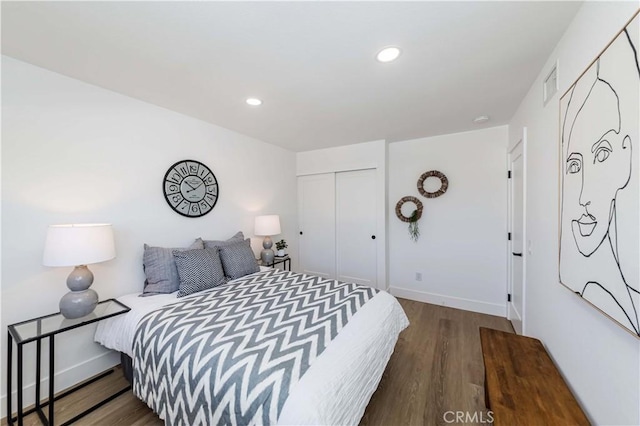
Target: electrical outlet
point(418, 276)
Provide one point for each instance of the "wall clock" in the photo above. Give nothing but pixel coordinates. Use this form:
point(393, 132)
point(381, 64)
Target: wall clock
point(190, 188)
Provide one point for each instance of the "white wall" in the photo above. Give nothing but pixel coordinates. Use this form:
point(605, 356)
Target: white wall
point(72, 152)
point(461, 251)
point(367, 155)
point(599, 359)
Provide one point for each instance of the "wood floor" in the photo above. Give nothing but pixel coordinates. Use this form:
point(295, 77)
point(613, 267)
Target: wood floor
point(436, 368)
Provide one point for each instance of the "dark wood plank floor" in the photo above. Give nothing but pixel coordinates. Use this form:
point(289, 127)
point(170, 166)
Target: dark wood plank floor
point(436, 367)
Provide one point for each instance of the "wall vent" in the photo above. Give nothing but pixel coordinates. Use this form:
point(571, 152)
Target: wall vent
point(550, 85)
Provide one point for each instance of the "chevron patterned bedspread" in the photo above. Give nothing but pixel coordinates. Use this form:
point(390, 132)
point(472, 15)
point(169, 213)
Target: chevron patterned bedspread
point(232, 354)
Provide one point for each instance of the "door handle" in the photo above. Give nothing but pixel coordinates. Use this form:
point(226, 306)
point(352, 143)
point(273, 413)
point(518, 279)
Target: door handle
point(517, 254)
point(373, 237)
point(300, 232)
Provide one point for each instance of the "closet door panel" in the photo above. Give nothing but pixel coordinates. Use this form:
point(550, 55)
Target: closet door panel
point(317, 218)
point(356, 243)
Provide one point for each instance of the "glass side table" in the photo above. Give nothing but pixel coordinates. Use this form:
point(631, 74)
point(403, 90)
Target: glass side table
point(285, 260)
point(37, 329)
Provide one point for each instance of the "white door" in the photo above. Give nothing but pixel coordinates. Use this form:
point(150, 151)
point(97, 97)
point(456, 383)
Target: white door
point(316, 213)
point(356, 243)
point(517, 253)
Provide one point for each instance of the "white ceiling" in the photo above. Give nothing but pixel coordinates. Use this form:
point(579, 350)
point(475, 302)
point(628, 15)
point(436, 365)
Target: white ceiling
point(312, 63)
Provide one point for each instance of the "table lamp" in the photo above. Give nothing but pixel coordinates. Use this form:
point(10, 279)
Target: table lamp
point(79, 246)
point(267, 226)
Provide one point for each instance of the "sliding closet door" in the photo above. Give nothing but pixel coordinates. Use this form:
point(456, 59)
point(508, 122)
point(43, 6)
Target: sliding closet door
point(356, 242)
point(317, 218)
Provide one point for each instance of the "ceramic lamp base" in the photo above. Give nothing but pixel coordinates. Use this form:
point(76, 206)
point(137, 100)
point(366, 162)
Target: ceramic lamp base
point(267, 256)
point(77, 304)
point(81, 300)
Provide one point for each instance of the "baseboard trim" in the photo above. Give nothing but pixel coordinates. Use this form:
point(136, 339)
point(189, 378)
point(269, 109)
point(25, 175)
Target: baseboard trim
point(64, 379)
point(451, 301)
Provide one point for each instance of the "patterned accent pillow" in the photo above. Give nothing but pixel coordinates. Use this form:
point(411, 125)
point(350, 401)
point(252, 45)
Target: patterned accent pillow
point(160, 269)
point(238, 259)
point(237, 238)
point(199, 270)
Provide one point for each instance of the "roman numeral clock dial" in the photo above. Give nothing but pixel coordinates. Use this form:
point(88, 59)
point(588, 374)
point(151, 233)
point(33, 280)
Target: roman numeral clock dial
point(190, 188)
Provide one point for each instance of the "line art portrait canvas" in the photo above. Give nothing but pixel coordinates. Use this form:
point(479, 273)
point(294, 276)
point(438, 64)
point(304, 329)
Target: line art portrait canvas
point(599, 191)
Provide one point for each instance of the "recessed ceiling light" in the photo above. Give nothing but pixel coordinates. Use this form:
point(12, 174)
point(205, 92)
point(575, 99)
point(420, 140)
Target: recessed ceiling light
point(254, 101)
point(388, 54)
point(481, 119)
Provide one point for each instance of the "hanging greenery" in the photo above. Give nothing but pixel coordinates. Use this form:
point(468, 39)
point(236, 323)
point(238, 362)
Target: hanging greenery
point(414, 231)
point(412, 220)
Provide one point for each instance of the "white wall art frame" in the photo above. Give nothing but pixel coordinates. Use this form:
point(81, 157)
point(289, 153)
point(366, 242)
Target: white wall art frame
point(599, 191)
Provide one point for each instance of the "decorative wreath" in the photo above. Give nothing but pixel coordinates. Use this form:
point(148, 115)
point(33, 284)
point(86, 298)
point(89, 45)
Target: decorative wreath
point(444, 184)
point(408, 199)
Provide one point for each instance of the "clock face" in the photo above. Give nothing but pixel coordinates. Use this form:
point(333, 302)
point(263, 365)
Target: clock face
point(190, 188)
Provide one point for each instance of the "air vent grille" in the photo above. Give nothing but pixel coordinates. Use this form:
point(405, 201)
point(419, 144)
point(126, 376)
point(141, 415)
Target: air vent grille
point(550, 84)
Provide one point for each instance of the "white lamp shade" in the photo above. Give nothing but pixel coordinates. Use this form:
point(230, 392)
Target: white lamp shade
point(72, 245)
point(267, 225)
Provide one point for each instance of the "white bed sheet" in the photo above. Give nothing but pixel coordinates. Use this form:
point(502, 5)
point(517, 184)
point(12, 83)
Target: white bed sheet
point(117, 332)
point(337, 387)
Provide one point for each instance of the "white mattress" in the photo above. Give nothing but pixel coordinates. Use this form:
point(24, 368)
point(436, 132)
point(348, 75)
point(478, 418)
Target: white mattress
point(337, 387)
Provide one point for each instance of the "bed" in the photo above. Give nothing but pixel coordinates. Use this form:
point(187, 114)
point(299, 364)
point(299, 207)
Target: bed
point(272, 347)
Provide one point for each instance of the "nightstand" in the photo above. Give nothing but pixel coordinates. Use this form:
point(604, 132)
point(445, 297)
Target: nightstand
point(284, 260)
point(37, 329)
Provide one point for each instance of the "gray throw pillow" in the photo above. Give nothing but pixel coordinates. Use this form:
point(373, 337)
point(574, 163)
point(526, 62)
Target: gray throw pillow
point(238, 259)
point(239, 237)
point(160, 269)
point(198, 270)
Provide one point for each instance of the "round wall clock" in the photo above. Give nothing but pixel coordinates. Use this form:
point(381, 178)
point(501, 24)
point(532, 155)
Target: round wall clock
point(190, 188)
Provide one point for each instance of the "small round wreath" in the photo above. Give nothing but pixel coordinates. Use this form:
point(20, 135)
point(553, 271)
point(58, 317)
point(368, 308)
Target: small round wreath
point(444, 184)
point(408, 199)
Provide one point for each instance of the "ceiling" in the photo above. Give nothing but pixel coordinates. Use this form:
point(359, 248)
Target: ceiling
point(312, 63)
